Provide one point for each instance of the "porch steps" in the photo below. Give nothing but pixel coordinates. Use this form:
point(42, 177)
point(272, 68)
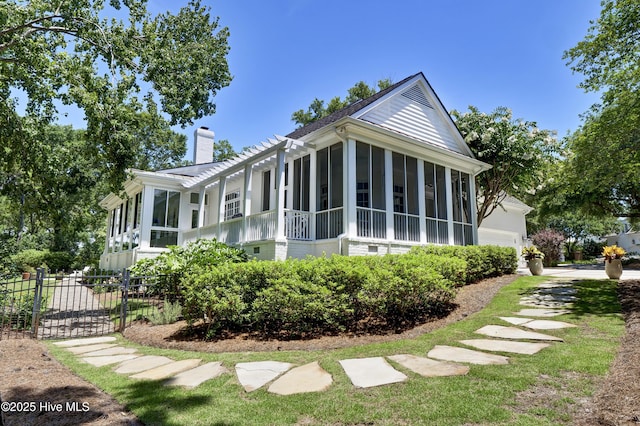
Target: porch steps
point(282, 378)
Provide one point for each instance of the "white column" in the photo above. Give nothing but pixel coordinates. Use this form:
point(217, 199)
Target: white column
point(246, 201)
point(422, 207)
point(222, 188)
point(279, 177)
point(388, 191)
point(201, 208)
point(350, 188)
point(147, 216)
point(472, 201)
point(449, 193)
point(313, 159)
point(108, 238)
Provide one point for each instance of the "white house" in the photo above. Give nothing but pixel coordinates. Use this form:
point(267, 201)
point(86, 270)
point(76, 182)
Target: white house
point(380, 176)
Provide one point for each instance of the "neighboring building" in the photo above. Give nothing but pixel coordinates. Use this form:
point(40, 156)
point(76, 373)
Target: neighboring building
point(380, 176)
point(506, 226)
point(628, 239)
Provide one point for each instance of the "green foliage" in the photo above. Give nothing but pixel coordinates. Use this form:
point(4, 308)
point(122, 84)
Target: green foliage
point(170, 313)
point(482, 261)
point(317, 109)
point(30, 259)
point(608, 59)
point(297, 297)
point(517, 150)
point(114, 69)
point(222, 150)
point(18, 312)
point(171, 266)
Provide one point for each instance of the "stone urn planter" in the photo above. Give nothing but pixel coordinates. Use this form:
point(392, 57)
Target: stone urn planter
point(535, 266)
point(613, 268)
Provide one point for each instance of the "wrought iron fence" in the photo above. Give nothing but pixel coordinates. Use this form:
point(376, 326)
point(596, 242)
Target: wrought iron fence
point(78, 304)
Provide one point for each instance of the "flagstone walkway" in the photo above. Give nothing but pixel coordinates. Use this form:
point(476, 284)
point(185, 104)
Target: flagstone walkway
point(548, 300)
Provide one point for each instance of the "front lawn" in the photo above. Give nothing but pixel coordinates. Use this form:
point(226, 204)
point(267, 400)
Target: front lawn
point(498, 395)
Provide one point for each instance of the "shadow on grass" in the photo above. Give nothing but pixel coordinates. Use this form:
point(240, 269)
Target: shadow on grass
point(596, 297)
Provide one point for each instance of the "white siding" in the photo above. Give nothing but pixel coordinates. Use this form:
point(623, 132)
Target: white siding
point(414, 119)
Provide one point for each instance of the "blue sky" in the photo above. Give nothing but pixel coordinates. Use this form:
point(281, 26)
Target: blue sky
point(486, 53)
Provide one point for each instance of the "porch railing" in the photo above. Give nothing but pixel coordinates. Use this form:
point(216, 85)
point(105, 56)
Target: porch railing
point(297, 224)
point(261, 226)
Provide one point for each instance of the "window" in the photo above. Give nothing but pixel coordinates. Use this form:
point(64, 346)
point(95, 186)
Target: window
point(436, 203)
point(266, 190)
point(329, 192)
point(370, 191)
point(232, 205)
point(166, 211)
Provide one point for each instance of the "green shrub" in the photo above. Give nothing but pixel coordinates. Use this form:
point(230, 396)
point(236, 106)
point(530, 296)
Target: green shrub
point(170, 267)
point(58, 261)
point(30, 259)
point(170, 313)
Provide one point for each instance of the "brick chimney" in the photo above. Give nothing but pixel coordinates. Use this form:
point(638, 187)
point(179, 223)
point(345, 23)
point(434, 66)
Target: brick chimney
point(203, 145)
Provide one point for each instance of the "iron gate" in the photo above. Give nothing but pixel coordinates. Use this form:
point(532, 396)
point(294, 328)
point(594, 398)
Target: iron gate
point(76, 305)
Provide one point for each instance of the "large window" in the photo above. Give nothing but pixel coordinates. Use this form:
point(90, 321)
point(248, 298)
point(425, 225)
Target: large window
point(232, 205)
point(166, 210)
point(370, 191)
point(436, 203)
point(406, 219)
point(266, 190)
point(329, 193)
point(462, 220)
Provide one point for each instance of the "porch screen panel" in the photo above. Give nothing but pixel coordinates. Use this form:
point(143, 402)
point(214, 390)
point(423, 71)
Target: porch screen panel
point(462, 220)
point(406, 220)
point(336, 176)
point(370, 191)
point(159, 207)
point(173, 209)
point(301, 183)
point(436, 204)
point(329, 193)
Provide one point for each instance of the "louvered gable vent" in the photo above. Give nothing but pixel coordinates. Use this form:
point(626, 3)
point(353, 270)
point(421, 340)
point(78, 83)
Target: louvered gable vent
point(415, 94)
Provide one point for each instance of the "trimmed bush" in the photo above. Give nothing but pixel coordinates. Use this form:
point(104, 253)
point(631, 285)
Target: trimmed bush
point(327, 294)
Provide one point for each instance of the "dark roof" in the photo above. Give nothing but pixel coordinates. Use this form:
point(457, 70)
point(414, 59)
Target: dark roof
point(345, 112)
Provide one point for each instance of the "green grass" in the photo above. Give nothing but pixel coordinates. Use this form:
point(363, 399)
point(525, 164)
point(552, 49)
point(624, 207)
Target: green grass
point(487, 395)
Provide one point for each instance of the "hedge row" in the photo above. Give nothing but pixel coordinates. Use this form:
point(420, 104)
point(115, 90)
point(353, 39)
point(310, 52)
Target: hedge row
point(323, 295)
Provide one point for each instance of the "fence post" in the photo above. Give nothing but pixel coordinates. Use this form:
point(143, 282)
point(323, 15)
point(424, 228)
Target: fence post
point(125, 299)
point(37, 300)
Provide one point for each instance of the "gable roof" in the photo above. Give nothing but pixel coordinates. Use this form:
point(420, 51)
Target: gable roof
point(346, 111)
point(410, 108)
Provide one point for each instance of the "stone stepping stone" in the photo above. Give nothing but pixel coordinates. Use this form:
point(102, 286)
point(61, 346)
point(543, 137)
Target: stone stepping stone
point(455, 354)
point(515, 320)
point(524, 348)
point(428, 367)
point(167, 370)
point(542, 313)
point(555, 285)
point(306, 378)
point(514, 333)
point(254, 375)
point(85, 341)
point(142, 363)
point(369, 372)
point(557, 290)
point(117, 350)
point(195, 376)
point(90, 348)
point(550, 298)
point(101, 361)
point(537, 303)
point(537, 324)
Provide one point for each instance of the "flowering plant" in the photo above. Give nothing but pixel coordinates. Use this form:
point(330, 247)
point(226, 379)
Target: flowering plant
point(612, 252)
point(532, 253)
